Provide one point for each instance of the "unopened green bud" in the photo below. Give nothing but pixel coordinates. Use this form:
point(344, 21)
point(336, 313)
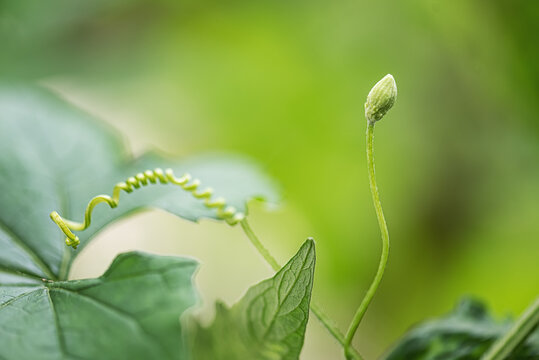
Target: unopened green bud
point(381, 98)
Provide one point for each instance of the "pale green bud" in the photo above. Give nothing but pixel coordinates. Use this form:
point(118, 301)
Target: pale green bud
point(381, 98)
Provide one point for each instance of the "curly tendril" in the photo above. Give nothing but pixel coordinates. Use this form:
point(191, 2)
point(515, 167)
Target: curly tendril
point(224, 212)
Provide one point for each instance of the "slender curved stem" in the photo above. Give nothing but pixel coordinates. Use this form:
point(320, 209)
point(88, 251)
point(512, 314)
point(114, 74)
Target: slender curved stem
point(259, 246)
point(385, 243)
point(315, 308)
point(503, 347)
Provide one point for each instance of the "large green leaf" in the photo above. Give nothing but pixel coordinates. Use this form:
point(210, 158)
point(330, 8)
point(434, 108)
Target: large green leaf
point(56, 157)
point(465, 334)
point(131, 312)
point(268, 322)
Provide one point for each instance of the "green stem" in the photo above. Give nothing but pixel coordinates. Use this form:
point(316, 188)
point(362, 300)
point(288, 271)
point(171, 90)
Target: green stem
point(259, 246)
point(385, 242)
point(315, 308)
point(505, 345)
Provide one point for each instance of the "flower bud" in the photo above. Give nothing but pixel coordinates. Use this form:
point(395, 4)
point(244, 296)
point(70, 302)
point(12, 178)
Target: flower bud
point(381, 98)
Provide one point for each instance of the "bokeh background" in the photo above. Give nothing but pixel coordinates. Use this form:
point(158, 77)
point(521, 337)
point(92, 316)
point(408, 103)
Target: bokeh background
point(284, 82)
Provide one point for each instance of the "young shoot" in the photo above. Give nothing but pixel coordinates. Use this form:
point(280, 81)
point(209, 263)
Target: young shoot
point(380, 99)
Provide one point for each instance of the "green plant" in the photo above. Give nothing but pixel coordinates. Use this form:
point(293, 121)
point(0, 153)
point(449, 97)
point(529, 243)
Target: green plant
point(468, 332)
point(137, 302)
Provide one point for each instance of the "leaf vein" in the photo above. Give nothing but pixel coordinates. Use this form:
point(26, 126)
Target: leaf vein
point(17, 240)
point(61, 343)
point(17, 298)
point(285, 297)
point(120, 312)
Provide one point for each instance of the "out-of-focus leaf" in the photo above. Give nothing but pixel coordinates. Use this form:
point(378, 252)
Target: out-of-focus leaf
point(131, 312)
point(464, 334)
point(268, 322)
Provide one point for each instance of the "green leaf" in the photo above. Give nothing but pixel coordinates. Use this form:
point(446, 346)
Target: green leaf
point(464, 334)
point(131, 312)
point(56, 157)
point(268, 322)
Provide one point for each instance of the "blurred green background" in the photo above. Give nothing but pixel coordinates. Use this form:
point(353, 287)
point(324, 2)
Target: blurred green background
point(284, 82)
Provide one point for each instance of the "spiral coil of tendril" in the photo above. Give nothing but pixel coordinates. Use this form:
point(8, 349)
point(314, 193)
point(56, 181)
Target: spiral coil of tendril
point(224, 212)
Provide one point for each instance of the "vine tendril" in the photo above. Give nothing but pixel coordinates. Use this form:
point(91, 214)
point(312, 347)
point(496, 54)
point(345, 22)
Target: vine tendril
point(224, 212)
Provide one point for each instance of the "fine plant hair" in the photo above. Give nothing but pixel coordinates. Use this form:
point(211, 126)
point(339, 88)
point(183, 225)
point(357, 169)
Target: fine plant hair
point(380, 100)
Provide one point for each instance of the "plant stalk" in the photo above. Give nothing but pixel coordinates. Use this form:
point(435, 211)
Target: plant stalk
point(360, 312)
point(315, 308)
point(504, 346)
